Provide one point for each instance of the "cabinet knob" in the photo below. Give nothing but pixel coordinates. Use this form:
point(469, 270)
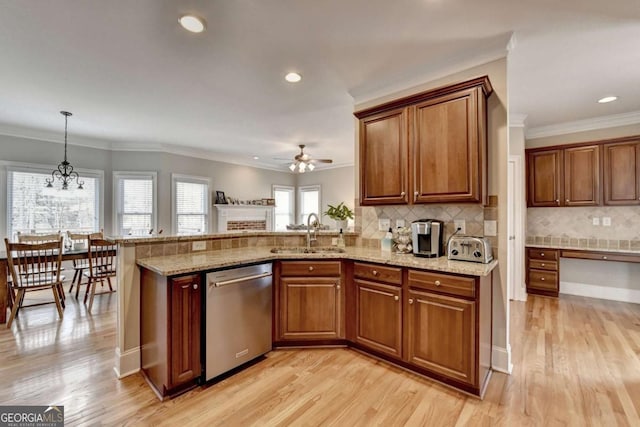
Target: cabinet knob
point(437, 282)
point(403, 194)
point(567, 200)
point(375, 272)
point(604, 257)
point(195, 286)
point(310, 268)
point(410, 300)
point(337, 286)
point(396, 297)
point(542, 264)
point(542, 279)
point(541, 253)
point(557, 200)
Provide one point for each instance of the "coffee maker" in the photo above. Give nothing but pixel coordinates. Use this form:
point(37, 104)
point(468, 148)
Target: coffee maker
point(428, 238)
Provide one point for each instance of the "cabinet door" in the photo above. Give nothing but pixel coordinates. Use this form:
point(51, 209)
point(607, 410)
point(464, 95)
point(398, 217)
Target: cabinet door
point(184, 325)
point(309, 308)
point(622, 173)
point(379, 317)
point(446, 150)
point(441, 335)
point(544, 177)
point(384, 161)
point(582, 176)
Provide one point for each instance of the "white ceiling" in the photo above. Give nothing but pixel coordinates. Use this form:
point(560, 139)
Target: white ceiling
point(134, 78)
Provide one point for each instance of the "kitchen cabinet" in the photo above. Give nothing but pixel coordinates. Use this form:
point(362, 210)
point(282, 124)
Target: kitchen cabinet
point(384, 148)
point(622, 173)
point(543, 271)
point(444, 142)
point(170, 331)
point(582, 176)
point(309, 297)
point(379, 308)
point(544, 178)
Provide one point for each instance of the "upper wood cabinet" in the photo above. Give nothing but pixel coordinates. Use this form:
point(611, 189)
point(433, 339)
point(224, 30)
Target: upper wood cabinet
point(622, 173)
point(588, 174)
point(426, 148)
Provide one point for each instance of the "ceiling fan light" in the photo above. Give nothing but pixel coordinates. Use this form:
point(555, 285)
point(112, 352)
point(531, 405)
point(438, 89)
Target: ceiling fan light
point(311, 167)
point(292, 167)
point(302, 166)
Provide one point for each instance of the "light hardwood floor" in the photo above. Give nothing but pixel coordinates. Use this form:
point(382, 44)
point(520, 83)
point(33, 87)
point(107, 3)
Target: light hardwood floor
point(576, 363)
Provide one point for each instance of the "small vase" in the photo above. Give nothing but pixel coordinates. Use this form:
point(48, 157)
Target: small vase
point(341, 224)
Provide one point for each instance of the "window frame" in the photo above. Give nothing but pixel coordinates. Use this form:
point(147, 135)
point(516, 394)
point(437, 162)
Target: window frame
point(305, 188)
point(117, 207)
point(10, 167)
point(292, 202)
point(175, 178)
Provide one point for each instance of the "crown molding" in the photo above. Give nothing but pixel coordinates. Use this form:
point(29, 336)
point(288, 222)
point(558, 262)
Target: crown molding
point(517, 120)
point(602, 122)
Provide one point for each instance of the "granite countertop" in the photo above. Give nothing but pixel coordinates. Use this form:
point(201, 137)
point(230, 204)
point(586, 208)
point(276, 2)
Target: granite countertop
point(201, 261)
point(633, 251)
point(168, 238)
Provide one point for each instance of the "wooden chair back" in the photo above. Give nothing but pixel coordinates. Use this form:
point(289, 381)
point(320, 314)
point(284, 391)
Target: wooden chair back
point(81, 238)
point(34, 265)
point(38, 237)
point(102, 258)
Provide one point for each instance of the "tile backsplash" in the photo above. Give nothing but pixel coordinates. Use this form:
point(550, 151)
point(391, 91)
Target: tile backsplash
point(577, 222)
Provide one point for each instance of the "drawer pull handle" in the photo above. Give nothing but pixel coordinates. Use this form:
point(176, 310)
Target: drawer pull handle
point(437, 282)
point(310, 268)
point(542, 278)
point(375, 273)
point(410, 300)
point(396, 297)
point(541, 253)
point(185, 286)
point(604, 257)
point(195, 286)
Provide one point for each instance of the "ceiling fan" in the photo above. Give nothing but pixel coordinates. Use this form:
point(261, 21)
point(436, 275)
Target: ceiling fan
point(303, 161)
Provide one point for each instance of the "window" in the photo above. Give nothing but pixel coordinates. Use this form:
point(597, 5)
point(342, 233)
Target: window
point(284, 210)
point(134, 202)
point(190, 201)
point(32, 208)
point(308, 201)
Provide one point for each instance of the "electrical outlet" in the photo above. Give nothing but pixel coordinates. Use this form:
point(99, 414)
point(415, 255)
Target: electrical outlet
point(384, 224)
point(596, 220)
point(199, 246)
point(606, 221)
point(399, 223)
point(491, 228)
point(460, 224)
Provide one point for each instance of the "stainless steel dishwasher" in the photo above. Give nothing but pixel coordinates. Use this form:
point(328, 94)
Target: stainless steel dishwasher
point(238, 317)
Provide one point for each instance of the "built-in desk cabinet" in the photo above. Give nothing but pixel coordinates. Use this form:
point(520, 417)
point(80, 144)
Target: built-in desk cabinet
point(543, 271)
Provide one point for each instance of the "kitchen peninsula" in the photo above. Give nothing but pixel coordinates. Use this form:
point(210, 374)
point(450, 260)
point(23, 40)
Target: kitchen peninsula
point(432, 316)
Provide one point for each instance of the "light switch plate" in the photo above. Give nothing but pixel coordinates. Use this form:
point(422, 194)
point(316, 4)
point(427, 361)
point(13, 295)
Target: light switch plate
point(596, 220)
point(491, 228)
point(399, 223)
point(384, 224)
point(199, 246)
point(606, 221)
point(461, 224)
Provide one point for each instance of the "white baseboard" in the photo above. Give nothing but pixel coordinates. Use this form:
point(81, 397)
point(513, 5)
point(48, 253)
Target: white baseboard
point(127, 363)
point(501, 359)
point(602, 292)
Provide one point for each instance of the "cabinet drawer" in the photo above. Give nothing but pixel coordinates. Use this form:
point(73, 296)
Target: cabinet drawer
point(536, 253)
point(545, 280)
point(310, 268)
point(454, 285)
point(543, 264)
point(378, 273)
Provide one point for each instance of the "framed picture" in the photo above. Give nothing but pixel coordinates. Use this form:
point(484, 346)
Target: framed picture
point(220, 199)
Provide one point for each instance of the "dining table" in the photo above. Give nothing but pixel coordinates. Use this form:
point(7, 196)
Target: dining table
point(5, 304)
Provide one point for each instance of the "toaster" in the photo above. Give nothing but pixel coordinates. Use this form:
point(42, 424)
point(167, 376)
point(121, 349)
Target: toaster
point(469, 248)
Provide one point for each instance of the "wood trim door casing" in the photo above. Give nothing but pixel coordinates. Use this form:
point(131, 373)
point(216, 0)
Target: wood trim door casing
point(582, 172)
point(184, 326)
point(621, 173)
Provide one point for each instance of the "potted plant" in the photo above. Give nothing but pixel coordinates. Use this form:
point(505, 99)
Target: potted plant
point(340, 214)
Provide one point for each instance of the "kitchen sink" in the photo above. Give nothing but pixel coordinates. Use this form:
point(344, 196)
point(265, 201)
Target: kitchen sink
point(304, 250)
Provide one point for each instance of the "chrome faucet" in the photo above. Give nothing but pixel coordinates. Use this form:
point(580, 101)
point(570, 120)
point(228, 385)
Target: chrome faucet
point(316, 224)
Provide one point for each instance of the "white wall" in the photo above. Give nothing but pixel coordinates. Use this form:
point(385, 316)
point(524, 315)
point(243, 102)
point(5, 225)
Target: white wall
point(243, 182)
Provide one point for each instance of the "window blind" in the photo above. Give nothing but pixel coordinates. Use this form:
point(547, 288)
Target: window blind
point(135, 204)
point(284, 209)
point(191, 206)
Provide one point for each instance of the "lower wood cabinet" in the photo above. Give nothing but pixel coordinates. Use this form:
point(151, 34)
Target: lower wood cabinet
point(441, 333)
point(543, 271)
point(170, 331)
point(309, 300)
point(379, 317)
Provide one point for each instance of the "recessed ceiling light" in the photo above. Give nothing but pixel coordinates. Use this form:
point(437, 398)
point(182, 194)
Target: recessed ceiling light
point(192, 23)
point(607, 99)
point(293, 77)
point(256, 158)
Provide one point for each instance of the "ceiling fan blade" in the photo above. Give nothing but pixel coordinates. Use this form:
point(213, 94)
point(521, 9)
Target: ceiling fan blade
point(321, 161)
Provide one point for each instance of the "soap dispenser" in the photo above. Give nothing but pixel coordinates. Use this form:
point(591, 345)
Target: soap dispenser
point(387, 241)
point(341, 240)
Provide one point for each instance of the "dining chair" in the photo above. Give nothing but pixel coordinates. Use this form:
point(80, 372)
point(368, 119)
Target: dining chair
point(102, 266)
point(33, 267)
point(80, 265)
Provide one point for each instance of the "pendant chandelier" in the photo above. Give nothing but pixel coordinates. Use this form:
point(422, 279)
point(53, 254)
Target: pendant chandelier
point(65, 172)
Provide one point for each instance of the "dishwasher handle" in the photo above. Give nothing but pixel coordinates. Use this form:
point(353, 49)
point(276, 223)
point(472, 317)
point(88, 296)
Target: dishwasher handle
point(239, 279)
